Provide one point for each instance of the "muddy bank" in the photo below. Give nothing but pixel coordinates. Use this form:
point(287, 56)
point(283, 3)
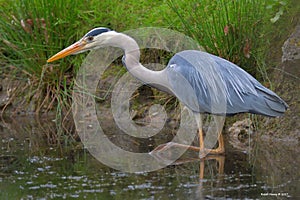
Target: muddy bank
point(286, 81)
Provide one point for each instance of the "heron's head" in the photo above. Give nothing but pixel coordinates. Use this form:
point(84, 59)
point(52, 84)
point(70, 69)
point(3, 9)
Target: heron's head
point(96, 38)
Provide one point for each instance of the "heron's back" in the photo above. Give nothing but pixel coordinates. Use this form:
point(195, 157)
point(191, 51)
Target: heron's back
point(210, 84)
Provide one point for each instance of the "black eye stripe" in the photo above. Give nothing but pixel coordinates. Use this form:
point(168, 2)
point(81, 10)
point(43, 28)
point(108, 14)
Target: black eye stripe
point(97, 31)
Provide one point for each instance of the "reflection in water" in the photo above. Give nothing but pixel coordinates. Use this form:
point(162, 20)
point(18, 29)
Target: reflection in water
point(30, 168)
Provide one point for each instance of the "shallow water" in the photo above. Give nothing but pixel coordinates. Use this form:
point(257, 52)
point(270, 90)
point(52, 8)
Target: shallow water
point(31, 169)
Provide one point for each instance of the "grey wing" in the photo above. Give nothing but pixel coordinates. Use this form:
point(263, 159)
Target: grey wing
point(210, 84)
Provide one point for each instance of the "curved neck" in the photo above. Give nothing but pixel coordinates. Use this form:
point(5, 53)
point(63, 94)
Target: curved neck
point(131, 61)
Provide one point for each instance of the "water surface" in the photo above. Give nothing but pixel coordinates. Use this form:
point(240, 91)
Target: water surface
point(33, 168)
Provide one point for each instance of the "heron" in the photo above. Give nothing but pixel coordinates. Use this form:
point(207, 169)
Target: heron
point(187, 72)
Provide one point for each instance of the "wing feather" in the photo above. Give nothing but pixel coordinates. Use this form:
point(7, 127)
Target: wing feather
point(207, 83)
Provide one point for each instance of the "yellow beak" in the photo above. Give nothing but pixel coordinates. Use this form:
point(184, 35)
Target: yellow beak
point(68, 51)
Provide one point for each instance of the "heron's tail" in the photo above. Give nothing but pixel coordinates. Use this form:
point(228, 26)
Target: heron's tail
point(275, 105)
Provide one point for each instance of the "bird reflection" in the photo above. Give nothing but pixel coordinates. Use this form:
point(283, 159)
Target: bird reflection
point(216, 162)
point(220, 160)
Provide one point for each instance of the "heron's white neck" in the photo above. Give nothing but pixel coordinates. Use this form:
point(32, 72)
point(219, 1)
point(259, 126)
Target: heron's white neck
point(131, 60)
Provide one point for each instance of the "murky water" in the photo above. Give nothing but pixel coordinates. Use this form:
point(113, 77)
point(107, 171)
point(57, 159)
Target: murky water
point(31, 169)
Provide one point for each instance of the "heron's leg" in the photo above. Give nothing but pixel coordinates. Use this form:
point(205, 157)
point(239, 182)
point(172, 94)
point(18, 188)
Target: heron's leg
point(219, 120)
point(202, 150)
point(201, 140)
point(169, 145)
point(201, 170)
point(199, 121)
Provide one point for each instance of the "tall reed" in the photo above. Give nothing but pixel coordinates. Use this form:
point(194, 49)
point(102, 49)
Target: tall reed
point(32, 31)
point(234, 30)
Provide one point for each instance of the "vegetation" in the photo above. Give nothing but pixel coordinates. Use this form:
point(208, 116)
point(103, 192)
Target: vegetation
point(33, 30)
point(235, 30)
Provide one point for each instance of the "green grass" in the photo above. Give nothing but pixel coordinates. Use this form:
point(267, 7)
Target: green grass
point(234, 30)
point(31, 32)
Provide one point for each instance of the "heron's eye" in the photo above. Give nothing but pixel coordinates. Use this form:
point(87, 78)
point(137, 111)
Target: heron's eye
point(89, 39)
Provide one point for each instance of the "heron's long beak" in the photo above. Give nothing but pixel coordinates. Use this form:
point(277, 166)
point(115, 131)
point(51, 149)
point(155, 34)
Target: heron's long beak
point(74, 48)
